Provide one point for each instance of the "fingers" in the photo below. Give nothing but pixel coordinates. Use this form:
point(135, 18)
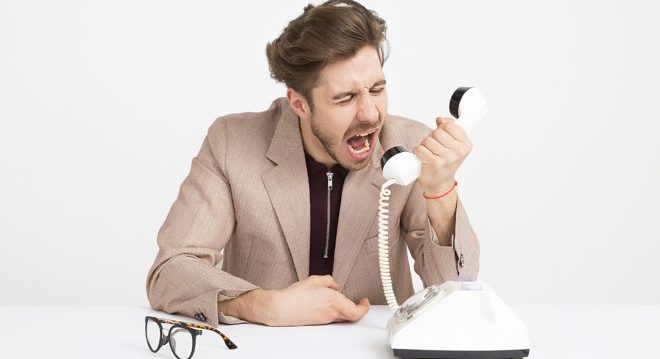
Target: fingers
point(443, 138)
point(448, 141)
point(349, 311)
point(363, 307)
point(424, 154)
point(452, 128)
point(344, 309)
point(440, 143)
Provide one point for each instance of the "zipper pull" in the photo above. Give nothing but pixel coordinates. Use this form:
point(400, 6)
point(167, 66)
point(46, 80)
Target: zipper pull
point(329, 174)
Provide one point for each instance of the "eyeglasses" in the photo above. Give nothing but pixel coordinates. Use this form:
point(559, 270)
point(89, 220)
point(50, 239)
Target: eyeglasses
point(181, 335)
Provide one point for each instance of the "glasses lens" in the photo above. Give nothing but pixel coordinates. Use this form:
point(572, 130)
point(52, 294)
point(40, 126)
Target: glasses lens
point(153, 334)
point(181, 341)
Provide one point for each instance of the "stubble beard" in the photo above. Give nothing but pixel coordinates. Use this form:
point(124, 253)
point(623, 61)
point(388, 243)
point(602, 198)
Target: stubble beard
point(330, 147)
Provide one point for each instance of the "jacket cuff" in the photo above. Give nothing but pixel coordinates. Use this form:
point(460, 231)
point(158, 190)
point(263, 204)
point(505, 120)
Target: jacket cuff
point(466, 245)
point(205, 307)
point(228, 319)
point(459, 252)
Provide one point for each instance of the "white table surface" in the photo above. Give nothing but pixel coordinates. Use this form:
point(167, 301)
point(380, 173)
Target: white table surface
point(556, 331)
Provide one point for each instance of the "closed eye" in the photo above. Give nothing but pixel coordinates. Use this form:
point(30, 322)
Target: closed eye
point(377, 91)
point(347, 99)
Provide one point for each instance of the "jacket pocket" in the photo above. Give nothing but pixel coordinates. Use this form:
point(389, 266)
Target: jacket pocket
point(371, 244)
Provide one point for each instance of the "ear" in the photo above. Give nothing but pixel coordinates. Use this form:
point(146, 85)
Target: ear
point(298, 103)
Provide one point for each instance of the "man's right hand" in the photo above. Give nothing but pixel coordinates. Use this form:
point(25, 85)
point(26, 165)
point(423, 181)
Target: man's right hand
point(315, 300)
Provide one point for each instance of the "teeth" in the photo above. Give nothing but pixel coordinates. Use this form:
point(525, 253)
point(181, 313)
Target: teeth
point(367, 133)
point(361, 150)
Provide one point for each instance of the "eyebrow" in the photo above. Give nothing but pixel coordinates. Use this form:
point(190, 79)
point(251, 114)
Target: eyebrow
point(346, 93)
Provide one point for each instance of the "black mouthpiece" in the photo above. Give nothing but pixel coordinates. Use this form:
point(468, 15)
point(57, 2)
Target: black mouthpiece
point(390, 153)
point(455, 100)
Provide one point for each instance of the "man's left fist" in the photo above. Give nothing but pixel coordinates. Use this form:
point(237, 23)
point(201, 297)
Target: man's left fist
point(441, 153)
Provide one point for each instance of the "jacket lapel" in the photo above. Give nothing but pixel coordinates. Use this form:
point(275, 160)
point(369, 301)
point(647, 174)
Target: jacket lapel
point(288, 187)
point(358, 213)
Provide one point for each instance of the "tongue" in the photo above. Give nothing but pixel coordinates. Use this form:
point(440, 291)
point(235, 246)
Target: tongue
point(356, 142)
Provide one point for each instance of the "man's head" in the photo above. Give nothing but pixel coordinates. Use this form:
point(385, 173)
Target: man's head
point(331, 59)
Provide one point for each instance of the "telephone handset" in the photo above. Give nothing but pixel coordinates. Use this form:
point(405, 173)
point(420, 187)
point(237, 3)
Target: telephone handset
point(400, 166)
point(461, 319)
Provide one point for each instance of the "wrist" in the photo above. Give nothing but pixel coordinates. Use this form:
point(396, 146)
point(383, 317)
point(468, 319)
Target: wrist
point(441, 186)
point(249, 306)
point(440, 190)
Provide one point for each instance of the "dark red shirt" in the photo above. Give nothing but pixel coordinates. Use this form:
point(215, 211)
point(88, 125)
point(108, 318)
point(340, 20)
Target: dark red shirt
point(322, 234)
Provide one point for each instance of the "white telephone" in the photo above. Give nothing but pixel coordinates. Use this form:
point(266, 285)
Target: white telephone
point(461, 319)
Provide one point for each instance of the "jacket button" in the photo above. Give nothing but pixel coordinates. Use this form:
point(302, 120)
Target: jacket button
point(461, 261)
point(200, 316)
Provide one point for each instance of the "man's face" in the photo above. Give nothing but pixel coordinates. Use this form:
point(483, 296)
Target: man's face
point(350, 107)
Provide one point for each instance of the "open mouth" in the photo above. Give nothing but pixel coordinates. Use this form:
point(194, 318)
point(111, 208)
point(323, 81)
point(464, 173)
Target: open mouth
point(362, 144)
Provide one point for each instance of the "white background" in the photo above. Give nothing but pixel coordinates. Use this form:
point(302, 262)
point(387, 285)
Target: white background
point(104, 104)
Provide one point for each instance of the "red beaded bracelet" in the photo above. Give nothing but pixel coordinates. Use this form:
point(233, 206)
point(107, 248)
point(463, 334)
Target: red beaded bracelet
point(441, 195)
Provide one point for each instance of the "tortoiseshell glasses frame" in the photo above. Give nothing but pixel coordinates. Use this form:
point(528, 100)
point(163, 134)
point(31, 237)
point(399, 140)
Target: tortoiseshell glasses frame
point(192, 328)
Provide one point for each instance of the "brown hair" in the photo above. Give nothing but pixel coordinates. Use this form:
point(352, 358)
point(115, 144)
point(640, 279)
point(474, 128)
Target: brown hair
point(323, 34)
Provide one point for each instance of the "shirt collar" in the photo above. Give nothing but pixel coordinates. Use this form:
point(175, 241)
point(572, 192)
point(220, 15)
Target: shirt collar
point(315, 168)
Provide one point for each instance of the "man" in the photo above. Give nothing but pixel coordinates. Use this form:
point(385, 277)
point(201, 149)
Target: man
point(289, 196)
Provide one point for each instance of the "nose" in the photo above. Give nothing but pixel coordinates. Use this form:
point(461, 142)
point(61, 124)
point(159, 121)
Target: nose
point(367, 110)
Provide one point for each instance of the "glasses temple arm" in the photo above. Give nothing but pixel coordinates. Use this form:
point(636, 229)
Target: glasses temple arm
point(226, 339)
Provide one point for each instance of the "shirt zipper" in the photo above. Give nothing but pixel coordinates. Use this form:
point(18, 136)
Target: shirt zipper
point(327, 227)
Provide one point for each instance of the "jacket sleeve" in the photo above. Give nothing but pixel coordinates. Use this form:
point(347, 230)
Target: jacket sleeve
point(434, 263)
point(185, 277)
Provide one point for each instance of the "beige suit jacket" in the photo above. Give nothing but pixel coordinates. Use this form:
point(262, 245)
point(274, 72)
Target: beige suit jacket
point(247, 197)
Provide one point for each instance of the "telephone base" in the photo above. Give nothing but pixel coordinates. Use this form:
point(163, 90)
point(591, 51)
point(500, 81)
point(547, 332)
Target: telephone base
point(457, 320)
point(449, 354)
